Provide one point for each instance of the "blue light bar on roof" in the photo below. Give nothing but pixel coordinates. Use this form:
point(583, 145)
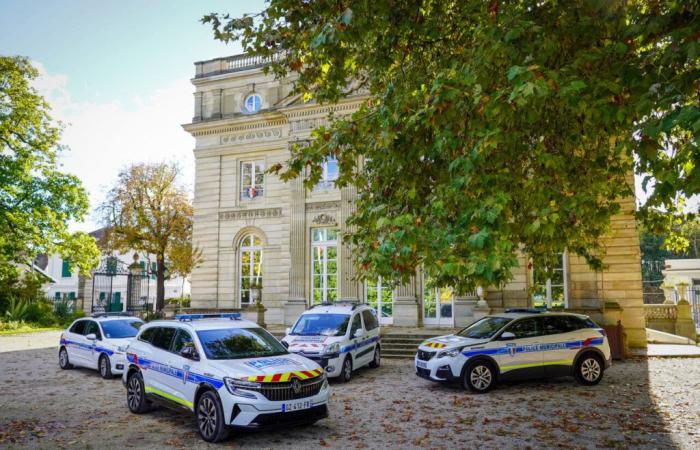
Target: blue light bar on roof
point(190, 317)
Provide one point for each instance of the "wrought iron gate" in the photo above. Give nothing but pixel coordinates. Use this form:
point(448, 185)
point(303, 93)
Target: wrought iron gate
point(115, 288)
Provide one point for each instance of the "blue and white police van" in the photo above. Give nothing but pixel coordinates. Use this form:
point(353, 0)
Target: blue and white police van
point(230, 373)
point(341, 337)
point(517, 344)
point(98, 342)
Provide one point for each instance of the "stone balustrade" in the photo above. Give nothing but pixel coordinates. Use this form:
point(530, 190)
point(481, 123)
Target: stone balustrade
point(229, 64)
point(671, 318)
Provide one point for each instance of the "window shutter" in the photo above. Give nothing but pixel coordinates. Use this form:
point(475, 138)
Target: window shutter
point(65, 270)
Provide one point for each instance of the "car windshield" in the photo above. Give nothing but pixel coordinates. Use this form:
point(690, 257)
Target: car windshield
point(485, 328)
point(321, 324)
point(118, 329)
point(239, 343)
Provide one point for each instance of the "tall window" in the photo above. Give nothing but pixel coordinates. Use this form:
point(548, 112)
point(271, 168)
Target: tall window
point(550, 292)
point(252, 179)
point(65, 269)
point(324, 264)
point(380, 297)
point(329, 174)
point(250, 256)
point(437, 302)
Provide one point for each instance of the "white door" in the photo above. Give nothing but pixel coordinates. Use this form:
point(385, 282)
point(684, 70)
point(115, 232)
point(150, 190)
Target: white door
point(91, 353)
point(381, 298)
point(524, 358)
point(438, 305)
point(182, 387)
point(356, 324)
point(75, 341)
point(156, 356)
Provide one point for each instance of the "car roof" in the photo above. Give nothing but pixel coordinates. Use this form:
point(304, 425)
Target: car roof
point(206, 324)
point(110, 318)
point(338, 308)
point(522, 314)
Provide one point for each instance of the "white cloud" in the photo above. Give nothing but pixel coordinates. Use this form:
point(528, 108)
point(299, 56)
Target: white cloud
point(104, 137)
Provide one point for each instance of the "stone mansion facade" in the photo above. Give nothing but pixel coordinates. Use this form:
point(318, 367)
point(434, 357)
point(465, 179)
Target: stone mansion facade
point(263, 237)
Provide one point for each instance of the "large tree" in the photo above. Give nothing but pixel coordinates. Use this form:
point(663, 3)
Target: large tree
point(489, 126)
point(37, 200)
point(148, 209)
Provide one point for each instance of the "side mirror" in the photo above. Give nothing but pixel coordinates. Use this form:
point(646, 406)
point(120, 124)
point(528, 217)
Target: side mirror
point(189, 353)
point(288, 331)
point(507, 336)
point(359, 333)
point(91, 337)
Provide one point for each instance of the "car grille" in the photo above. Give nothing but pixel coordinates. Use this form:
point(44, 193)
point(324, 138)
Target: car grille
point(425, 356)
point(290, 418)
point(424, 373)
point(277, 392)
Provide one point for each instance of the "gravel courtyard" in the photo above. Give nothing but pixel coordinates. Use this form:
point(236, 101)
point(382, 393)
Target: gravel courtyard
point(651, 403)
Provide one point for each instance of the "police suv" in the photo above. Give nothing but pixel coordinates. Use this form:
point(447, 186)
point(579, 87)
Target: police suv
point(229, 372)
point(517, 344)
point(98, 342)
point(340, 337)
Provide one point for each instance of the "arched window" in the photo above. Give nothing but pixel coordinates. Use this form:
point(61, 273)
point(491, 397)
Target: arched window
point(324, 265)
point(250, 270)
point(252, 103)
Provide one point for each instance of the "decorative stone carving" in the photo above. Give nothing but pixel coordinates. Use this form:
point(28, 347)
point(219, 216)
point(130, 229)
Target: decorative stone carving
point(324, 219)
point(250, 214)
point(252, 136)
point(322, 206)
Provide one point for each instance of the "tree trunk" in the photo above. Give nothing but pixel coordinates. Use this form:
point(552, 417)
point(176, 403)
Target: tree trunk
point(160, 282)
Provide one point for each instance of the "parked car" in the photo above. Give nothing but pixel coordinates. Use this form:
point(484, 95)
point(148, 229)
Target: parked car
point(227, 371)
point(340, 337)
point(98, 342)
point(517, 344)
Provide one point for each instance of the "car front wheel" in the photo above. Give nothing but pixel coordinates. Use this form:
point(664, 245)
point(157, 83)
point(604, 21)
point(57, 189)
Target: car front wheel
point(589, 369)
point(136, 394)
point(376, 361)
point(346, 371)
point(105, 367)
point(63, 360)
point(210, 418)
point(479, 377)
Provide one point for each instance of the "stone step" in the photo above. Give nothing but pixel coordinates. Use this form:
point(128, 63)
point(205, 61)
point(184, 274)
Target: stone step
point(397, 355)
point(403, 347)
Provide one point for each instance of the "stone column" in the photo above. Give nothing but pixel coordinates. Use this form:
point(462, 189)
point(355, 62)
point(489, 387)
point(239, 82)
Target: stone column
point(197, 107)
point(349, 288)
point(407, 308)
point(296, 303)
point(216, 103)
point(464, 309)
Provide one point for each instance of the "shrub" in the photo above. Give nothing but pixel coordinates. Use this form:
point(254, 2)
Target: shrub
point(16, 310)
point(63, 310)
point(41, 312)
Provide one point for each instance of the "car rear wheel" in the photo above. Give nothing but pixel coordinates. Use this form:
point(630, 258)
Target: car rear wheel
point(136, 394)
point(105, 367)
point(346, 371)
point(589, 369)
point(479, 377)
point(376, 360)
point(63, 360)
point(210, 418)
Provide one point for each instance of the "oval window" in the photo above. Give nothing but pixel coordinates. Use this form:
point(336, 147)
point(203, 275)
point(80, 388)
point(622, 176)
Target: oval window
point(253, 103)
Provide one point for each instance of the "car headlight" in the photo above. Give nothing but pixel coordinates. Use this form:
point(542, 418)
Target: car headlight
point(235, 387)
point(332, 348)
point(122, 348)
point(325, 385)
point(451, 353)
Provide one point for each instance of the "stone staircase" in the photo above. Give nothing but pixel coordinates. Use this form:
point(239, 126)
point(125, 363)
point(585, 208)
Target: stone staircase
point(404, 345)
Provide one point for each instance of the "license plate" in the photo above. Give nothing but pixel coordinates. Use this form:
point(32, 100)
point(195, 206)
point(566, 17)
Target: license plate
point(296, 406)
point(421, 364)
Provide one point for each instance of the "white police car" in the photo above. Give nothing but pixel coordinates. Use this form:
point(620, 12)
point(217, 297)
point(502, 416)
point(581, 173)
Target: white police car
point(229, 372)
point(517, 344)
point(98, 342)
point(340, 337)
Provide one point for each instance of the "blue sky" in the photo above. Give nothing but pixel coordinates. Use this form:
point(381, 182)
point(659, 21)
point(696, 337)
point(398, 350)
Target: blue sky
point(117, 74)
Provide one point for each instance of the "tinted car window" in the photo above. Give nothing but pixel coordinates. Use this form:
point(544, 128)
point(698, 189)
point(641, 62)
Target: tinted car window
point(356, 325)
point(92, 328)
point(323, 324)
point(182, 340)
point(370, 318)
point(119, 329)
point(78, 327)
point(525, 328)
point(484, 328)
point(560, 324)
point(147, 335)
point(238, 343)
point(163, 338)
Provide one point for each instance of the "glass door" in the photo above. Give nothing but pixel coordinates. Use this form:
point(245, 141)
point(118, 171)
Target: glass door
point(381, 298)
point(438, 306)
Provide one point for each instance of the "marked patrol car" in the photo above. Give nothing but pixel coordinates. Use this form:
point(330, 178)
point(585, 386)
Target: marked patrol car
point(517, 344)
point(229, 372)
point(340, 337)
point(98, 342)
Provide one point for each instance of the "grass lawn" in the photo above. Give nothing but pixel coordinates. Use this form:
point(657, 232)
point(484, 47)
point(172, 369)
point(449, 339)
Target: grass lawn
point(28, 329)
